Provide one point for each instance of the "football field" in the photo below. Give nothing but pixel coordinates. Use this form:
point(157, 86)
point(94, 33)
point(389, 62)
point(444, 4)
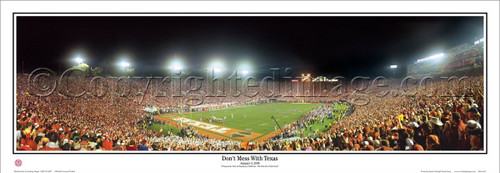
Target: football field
point(245, 123)
point(257, 118)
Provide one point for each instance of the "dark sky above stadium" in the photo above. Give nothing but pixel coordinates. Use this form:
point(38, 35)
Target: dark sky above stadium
point(330, 46)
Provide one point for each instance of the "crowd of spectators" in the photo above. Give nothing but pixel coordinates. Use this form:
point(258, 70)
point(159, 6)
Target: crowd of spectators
point(450, 120)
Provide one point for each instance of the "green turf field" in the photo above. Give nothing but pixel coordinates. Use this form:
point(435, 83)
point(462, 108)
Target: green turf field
point(320, 127)
point(258, 117)
point(166, 128)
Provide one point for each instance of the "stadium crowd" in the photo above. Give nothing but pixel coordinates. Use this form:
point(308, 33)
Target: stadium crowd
point(89, 123)
point(450, 121)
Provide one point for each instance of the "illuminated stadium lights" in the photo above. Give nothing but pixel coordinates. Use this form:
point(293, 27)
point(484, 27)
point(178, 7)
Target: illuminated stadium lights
point(125, 64)
point(393, 68)
point(431, 58)
point(175, 65)
point(217, 66)
point(479, 41)
point(245, 72)
point(78, 60)
point(244, 68)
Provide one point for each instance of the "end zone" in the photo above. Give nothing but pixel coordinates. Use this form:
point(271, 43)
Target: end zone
point(222, 131)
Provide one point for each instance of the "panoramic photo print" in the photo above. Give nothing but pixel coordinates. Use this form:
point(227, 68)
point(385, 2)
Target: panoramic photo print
point(387, 84)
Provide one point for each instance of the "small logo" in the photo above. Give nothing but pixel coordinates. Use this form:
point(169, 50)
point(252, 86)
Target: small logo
point(241, 134)
point(19, 162)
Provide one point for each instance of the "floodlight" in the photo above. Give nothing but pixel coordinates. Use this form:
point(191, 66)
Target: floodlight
point(175, 65)
point(479, 41)
point(217, 66)
point(78, 60)
point(125, 64)
point(437, 56)
point(244, 68)
point(245, 72)
point(394, 66)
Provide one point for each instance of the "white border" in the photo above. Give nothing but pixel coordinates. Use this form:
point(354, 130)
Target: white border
point(266, 152)
point(288, 162)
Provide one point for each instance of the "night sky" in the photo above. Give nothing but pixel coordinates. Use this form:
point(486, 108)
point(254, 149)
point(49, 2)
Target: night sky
point(328, 46)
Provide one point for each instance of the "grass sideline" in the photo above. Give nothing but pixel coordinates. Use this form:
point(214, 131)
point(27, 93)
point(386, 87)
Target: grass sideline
point(320, 127)
point(166, 128)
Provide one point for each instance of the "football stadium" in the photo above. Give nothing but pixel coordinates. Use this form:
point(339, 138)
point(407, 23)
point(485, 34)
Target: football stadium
point(306, 97)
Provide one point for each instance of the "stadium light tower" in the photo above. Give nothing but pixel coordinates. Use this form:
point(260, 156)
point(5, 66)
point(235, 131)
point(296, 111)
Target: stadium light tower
point(216, 66)
point(245, 72)
point(78, 60)
point(393, 68)
point(244, 69)
point(433, 57)
point(175, 65)
point(124, 65)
